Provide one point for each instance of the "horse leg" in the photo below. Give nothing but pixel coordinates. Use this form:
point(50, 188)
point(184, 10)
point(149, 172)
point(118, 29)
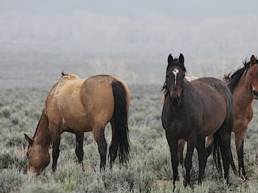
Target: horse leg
point(210, 145)
point(224, 141)
point(79, 148)
point(113, 146)
point(188, 160)
point(55, 152)
point(180, 152)
point(202, 157)
point(216, 153)
point(173, 145)
point(99, 136)
point(239, 141)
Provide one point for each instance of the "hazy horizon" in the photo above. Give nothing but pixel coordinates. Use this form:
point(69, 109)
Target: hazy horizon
point(128, 38)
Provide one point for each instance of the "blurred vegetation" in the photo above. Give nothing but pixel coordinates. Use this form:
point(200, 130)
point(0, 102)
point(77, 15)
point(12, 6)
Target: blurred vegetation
point(149, 168)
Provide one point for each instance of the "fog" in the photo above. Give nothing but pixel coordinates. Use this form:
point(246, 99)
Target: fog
point(126, 38)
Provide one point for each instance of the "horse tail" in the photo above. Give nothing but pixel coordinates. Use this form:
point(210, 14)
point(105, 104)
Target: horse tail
point(225, 131)
point(119, 122)
point(216, 152)
point(229, 123)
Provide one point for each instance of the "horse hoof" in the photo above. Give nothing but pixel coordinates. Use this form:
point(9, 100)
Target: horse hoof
point(243, 177)
point(184, 183)
point(226, 182)
point(53, 169)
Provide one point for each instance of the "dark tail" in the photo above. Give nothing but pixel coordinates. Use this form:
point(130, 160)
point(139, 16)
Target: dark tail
point(226, 127)
point(119, 122)
point(229, 122)
point(216, 153)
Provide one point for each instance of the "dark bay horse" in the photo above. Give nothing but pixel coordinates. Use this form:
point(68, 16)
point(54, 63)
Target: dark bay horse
point(243, 85)
point(78, 105)
point(192, 111)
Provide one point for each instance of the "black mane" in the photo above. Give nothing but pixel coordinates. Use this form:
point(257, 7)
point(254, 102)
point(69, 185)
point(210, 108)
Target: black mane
point(233, 79)
point(164, 89)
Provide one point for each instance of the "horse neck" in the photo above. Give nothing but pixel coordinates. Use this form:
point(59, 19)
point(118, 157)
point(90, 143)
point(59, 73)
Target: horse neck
point(188, 88)
point(42, 135)
point(243, 92)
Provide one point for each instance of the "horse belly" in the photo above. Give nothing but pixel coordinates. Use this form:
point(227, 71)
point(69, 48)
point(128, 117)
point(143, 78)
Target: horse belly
point(74, 117)
point(214, 111)
point(213, 121)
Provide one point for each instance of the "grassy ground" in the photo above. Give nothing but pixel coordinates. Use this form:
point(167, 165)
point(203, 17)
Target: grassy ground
point(149, 168)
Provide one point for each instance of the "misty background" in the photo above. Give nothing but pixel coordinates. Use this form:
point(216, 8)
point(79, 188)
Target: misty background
point(131, 39)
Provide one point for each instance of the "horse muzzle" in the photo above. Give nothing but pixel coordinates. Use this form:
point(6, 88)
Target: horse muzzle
point(175, 100)
point(255, 94)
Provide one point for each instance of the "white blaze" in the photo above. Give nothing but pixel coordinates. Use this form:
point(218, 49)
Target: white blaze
point(175, 72)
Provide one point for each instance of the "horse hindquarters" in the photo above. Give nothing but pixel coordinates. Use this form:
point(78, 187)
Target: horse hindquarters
point(119, 123)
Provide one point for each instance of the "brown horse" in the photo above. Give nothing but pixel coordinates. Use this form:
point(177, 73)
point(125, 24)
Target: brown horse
point(192, 111)
point(78, 105)
point(243, 84)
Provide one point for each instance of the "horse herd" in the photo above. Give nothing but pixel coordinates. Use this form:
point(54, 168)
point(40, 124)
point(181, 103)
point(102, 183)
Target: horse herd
point(201, 112)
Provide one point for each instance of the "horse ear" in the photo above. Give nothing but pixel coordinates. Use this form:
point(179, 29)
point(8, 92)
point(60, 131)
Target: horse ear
point(27, 138)
point(170, 59)
point(253, 60)
point(181, 58)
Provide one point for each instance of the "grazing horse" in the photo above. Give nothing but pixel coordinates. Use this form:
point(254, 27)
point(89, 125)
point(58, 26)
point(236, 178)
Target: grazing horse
point(243, 84)
point(78, 105)
point(192, 111)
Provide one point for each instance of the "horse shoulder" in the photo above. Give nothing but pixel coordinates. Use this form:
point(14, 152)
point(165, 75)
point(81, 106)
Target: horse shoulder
point(59, 98)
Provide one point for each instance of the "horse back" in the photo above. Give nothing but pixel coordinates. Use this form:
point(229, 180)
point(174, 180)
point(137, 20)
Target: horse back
point(217, 102)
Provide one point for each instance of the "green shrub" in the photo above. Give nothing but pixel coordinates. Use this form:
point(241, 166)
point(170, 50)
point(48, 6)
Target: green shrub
point(15, 141)
point(39, 187)
point(5, 112)
point(8, 160)
point(10, 180)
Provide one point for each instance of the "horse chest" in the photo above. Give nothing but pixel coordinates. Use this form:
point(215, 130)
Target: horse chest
point(179, 123)
point(179, 127)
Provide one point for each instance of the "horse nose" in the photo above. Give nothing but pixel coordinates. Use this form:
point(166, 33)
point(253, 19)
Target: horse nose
point(175, 99)
point(255, 93)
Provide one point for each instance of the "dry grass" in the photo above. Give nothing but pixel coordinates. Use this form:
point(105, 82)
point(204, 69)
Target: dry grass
point(149, 168)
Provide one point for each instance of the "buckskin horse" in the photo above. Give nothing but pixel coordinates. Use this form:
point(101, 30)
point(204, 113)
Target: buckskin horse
point(81, 105)
point(192, 111)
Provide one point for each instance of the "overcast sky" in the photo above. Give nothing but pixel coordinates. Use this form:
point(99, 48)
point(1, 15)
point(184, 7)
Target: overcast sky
point(125, 37)
point(135, 8)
